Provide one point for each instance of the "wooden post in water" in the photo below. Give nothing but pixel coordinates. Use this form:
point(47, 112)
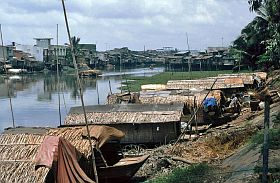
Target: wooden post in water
point(9, 91)
point(97, 90)
point(110, 87)
point(265, 139)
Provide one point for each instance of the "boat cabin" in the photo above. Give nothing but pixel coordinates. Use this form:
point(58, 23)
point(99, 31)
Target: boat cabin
point(141, 123)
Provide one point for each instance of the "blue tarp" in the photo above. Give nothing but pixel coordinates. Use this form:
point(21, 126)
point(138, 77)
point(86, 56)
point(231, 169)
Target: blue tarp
point(209, 102)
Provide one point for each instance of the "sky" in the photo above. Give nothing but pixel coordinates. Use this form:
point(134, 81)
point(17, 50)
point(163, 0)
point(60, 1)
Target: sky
point(127, 23)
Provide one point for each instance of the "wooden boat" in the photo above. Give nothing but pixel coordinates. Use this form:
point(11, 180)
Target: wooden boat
point(89, 73)
point(123, 170)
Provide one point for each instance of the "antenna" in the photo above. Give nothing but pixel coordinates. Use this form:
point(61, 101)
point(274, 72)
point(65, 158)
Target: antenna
point(188, 41)
point(189, 64)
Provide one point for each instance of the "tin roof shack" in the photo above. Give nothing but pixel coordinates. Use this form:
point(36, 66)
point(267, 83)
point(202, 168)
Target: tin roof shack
point(142, 123)
point(203, 62)
point(174, 61)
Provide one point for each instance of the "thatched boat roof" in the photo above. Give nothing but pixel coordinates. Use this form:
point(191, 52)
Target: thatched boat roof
point(248, 78)
point(183, 97)
point(221, 83)
point(74, 136)
point(17, 152)
point(118, 98)
point(129, 113)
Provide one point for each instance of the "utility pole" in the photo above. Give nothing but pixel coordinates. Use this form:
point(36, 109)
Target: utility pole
point(265, 139)
point(189, 61)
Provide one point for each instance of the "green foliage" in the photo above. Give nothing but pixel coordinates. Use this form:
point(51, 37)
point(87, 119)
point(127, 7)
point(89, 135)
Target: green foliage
point(261, 38)
point(192, 174)
point(77, 50)
point(257, 138)
point(274, 138)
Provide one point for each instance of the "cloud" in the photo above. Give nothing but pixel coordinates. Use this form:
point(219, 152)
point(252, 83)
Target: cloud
point(131, 23)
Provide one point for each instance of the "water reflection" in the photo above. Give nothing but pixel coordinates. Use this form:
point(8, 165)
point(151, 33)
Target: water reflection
point(35, 97)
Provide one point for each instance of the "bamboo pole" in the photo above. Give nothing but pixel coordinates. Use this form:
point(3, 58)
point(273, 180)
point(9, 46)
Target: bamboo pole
point(9, 95)
point(110, 87)
point(97, 90)
point(266, 140)
point(190, 120)
point(57, 75)
point(80, 89)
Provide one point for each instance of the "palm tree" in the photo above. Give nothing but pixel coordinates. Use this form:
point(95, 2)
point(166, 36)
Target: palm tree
point(76, 48)
point(255, 4)
point(261, 37)
point(75, 43)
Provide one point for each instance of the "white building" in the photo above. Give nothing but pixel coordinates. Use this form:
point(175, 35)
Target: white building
point(43, 42)
point(34, 51)
point(3, 53)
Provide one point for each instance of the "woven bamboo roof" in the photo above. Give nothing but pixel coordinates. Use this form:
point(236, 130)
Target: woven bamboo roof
point(248, 78)
point(129, 113)
point(18, 151)
point(221, 83)
point(167, 97)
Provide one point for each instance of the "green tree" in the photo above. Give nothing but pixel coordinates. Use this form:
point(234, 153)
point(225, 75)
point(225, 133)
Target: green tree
point(76, 48)
point(261, 37)
point(250, 44)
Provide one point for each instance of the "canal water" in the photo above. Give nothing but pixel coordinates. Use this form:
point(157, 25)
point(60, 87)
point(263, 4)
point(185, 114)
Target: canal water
point(35, 97)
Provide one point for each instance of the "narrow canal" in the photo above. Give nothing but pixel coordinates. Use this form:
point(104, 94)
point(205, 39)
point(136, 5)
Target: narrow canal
point(35, 97)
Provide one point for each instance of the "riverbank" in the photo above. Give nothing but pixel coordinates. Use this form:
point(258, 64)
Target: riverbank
point(133, 83)
point(227, 153)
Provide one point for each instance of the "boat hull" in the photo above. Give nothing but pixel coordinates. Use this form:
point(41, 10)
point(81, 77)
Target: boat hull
point(122, 171)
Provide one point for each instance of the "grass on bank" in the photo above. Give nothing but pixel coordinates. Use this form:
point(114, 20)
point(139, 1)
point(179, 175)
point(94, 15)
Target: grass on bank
point(191, 174)
point(133, 83)
point(274, 138)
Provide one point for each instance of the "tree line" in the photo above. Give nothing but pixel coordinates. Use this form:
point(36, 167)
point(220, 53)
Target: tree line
point(259, 42)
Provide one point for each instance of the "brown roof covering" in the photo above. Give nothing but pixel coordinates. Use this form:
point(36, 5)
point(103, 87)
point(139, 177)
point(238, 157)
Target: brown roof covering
point(166, 97)
point(221, 83)
point(248, 78)
point(129, 113)
point(18, 151)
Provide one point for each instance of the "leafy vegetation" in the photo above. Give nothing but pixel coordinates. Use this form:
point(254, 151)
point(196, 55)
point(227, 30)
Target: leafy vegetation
point(134, 83)
point(259, 42)
point(274, 138)
point(192, 174)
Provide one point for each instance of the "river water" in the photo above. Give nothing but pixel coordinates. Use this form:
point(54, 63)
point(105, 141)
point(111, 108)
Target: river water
point(35, 97)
